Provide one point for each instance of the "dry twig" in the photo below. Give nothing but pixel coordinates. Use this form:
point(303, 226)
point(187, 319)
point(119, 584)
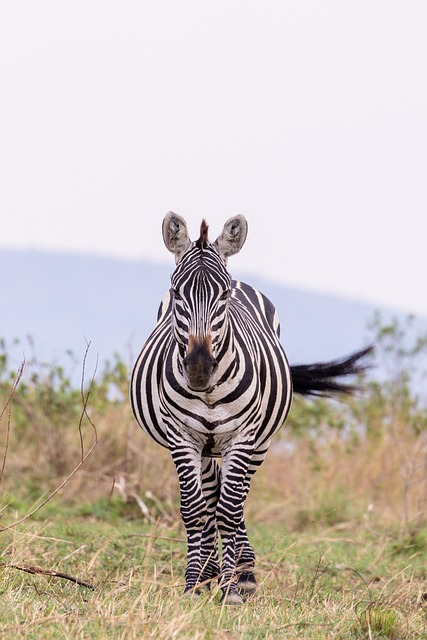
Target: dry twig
point(47, 572)
point(84, 457)
point(8, 407)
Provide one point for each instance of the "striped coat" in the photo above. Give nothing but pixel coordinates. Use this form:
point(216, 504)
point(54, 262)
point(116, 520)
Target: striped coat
point(213, 381)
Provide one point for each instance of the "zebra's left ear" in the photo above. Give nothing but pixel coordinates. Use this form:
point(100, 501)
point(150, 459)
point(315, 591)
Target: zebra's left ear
point(175, 234)
point(232, 238)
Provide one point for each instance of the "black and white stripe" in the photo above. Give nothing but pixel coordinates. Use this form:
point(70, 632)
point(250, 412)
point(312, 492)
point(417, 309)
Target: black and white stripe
point(213, 381)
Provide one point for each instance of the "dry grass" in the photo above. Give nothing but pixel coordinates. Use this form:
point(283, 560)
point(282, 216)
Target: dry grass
point(384, 481)
point(336, 477)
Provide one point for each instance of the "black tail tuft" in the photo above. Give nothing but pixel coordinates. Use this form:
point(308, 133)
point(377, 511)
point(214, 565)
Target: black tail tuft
point(321, 379)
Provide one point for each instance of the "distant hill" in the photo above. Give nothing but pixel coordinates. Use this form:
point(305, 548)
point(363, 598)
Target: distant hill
point(63, 300)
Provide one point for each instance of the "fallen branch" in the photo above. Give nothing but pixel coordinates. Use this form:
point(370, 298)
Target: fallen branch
point(47, 572)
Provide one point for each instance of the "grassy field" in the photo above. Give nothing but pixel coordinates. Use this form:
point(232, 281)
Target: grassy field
point(342, 581)
point(337, 516)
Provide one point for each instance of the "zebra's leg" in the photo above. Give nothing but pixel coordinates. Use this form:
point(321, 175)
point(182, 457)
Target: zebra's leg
point(229, 512)
point(211, 482)
point(245, 556)
point(186, 454)
point(245, 562)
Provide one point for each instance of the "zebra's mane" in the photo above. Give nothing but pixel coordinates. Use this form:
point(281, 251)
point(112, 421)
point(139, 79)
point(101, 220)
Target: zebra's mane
point(203, 240)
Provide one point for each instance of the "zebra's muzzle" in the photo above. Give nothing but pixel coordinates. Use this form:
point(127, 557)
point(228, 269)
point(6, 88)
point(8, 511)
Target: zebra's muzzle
point(199, 364)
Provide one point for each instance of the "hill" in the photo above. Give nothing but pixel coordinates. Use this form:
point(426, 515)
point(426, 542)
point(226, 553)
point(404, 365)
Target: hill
point(62, 301)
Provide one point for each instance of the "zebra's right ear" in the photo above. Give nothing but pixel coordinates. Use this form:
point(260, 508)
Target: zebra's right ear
point(175, 234)
point(232, 238)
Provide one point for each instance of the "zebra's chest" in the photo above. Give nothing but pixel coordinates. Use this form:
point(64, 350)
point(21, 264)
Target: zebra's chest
point(212, 428)
point(204, 415)
point(197, 415)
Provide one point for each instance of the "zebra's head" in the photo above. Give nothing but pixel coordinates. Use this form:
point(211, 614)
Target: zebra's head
point(200, 290)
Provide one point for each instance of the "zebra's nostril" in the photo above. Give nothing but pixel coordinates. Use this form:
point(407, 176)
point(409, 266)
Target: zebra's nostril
point(199, 366)
point(199, 354)
point(207, 363)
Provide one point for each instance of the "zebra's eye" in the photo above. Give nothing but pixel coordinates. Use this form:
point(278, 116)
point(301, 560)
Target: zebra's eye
point(176, 294)
point(224, 296)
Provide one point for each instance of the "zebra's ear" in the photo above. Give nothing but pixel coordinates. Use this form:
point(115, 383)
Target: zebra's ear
point(232, 238)
point(175, 234)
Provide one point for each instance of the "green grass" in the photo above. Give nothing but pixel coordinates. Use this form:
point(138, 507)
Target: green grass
point(314, 583)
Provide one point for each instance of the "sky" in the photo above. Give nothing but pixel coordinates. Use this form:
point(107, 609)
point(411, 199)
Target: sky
point(310, 118)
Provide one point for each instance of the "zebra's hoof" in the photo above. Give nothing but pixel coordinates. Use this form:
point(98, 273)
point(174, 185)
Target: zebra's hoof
point(247, 583)
point(231, 597)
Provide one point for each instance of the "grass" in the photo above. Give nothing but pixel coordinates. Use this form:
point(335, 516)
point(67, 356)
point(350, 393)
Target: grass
point(318, 582)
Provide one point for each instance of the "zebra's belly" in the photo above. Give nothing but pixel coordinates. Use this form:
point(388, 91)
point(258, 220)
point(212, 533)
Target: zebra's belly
point(211, 449)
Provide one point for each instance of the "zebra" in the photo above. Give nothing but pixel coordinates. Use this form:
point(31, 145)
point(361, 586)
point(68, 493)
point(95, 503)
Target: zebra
point(213, 382)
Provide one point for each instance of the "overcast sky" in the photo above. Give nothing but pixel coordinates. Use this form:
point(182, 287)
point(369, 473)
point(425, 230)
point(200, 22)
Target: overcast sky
point(308, 117)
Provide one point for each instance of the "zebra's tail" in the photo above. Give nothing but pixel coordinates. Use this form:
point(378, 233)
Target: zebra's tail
point(324, 378)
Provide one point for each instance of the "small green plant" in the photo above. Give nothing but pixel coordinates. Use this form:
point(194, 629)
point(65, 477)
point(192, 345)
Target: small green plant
point(380, 623)
point(411, 540)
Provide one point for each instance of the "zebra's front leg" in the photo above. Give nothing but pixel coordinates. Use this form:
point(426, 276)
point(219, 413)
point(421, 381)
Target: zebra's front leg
point(211, 483)
point(187, 458)
point(229, 511)
point(245, 556)
point(245, 562)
